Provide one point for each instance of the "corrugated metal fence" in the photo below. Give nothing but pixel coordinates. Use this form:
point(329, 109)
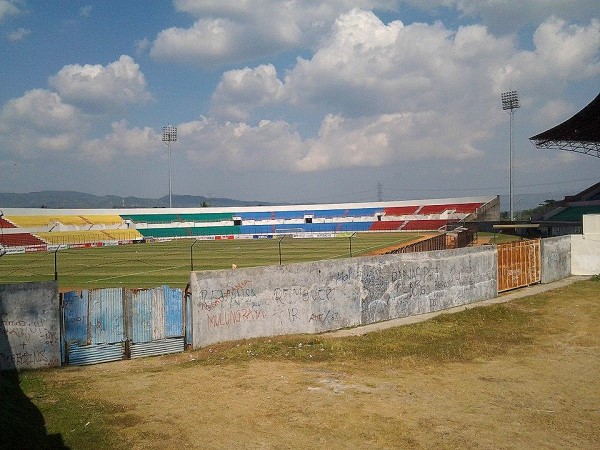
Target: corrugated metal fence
point(519, 264)
point(102, 325)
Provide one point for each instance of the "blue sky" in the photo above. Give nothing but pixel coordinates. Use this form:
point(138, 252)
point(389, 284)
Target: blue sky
point(293, 101)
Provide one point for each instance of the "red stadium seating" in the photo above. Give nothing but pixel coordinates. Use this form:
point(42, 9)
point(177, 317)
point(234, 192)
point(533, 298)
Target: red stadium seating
point(6, 224)
point(19, 240)
point(387, 225)
point(400, 210)
point(463, 208)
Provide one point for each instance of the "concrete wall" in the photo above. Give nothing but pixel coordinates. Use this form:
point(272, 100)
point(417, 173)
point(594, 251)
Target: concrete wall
point(585, 254)
point(29, 325)
point(328, 295)
point(591, 224)
point(585, 249)
point(556, 258)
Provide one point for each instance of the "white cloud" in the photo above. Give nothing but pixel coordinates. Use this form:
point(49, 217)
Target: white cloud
point(385, 139)
point(240, 147)
point(233, 32)
point(554, 111)
point(562, 53)
point(8, 8)
point(375, 94)
point(241, 91)
point(340, 143)
point(390, 92)
point(507, 16)
point(141, 45)
point(39, 122)
point(97, 88)
point(122, 142)
point(86, 11)
point(368, 67)
point(19, 34)
point(568, 51)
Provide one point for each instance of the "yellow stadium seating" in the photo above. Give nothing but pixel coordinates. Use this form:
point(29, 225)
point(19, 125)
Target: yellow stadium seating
point(82, 237)
point(40, 221)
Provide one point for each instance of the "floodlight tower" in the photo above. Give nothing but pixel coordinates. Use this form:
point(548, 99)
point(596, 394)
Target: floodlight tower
point(510, 102)
point(169, 135)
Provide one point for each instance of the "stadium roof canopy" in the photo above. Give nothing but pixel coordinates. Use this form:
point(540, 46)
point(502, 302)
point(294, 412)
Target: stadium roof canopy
point(580, 133)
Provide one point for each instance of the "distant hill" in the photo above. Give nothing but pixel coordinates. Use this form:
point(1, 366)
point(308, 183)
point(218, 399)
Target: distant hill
point(80, 200)
point(524, 202)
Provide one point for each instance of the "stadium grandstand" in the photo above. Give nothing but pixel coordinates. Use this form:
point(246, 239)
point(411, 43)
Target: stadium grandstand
point(566, 216)
point(38, 229)
point(579, 134)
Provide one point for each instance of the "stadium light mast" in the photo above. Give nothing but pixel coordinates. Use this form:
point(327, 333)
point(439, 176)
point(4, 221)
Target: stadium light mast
point(510, 102)
point(169, 135)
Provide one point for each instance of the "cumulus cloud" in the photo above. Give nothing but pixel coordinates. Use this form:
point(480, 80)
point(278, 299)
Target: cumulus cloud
point(562, 53)
point(122, 142)
point(368, 67)
point(42, 122)
point(569, 51)
point(96, 88)
point(390, 92)
point(233, 32)
point(381, 93)
point(507, 16)
point(271, 145)
point(39, 122)
point(241, 91)
point(384, 139)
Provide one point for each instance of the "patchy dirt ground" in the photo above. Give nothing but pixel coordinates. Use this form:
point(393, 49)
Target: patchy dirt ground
point(541, 394)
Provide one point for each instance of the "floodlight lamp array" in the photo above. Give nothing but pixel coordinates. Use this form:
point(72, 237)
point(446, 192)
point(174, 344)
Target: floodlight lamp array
point(169, 134)
point(510, 100)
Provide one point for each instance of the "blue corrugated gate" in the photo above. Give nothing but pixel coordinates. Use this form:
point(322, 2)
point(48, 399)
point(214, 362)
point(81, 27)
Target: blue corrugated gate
point(104, 325)
point(93, 326)
point(157, 322)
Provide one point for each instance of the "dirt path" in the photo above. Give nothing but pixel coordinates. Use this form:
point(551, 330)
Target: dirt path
point(541, 394)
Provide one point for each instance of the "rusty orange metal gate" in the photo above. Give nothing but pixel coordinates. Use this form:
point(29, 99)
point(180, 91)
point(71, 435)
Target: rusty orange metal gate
point(518, 264)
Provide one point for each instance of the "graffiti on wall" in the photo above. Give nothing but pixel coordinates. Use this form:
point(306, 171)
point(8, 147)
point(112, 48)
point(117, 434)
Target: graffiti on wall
point(32, 344)
point(29, 326)
point(317, 297)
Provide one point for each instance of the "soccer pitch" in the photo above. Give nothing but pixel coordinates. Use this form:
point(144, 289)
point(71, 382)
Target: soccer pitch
point(159, 263)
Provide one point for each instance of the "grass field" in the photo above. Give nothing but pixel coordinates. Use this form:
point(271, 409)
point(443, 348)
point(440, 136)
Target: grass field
point(159, 263)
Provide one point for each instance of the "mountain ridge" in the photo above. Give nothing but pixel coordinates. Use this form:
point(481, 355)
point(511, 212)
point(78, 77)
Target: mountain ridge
point(81, 200)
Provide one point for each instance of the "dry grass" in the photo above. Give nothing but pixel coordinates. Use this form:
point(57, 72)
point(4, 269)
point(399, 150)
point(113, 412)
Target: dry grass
point(517, 375)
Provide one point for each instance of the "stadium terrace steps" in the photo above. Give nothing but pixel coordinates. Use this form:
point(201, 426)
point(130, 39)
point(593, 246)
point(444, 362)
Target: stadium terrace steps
point(6, 223)
point(20, 240)
point(84, 226)
point(81, 237)
point(401, 211)
point(463, 208)
point(41, 221)
point(182, 217)
point(575, 213)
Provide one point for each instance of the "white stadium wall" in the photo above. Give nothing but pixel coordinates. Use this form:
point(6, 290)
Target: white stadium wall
point(585, 248)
